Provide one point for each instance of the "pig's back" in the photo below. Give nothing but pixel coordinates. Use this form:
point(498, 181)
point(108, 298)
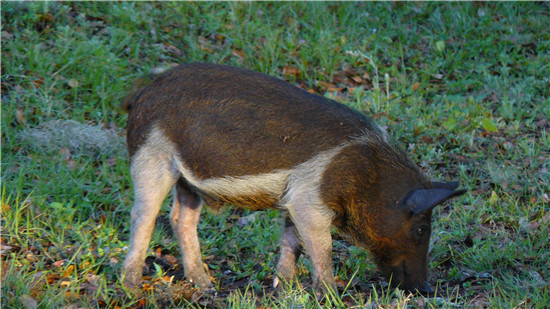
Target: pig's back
point(227, 121)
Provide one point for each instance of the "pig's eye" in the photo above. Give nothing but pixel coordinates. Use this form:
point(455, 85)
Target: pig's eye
point(421, 231)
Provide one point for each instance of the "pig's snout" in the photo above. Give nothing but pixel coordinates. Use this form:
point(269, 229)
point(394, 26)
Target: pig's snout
point(426, 288)
point(410, 282)
point(422, 288)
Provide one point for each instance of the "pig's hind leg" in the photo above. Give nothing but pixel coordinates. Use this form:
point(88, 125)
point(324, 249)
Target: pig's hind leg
point(153, 177)
point(184, 219)
point(291, 250)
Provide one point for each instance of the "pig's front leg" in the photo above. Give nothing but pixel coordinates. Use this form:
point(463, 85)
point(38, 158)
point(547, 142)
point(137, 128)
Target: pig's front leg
point(184, 218)
point(313, 224)
point(290, 252)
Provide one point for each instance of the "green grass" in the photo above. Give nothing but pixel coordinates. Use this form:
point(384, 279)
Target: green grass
point(463, 87)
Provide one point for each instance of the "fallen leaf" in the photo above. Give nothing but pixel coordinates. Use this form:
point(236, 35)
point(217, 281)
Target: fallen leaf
point(45, 17)
point(147, 287)
point(170, 259)
point(4, 249)
point(415, 86)
point(31, 257)
point(330, 87)
point(73, 83)
point(357, 79)
point(238, 53)
point(20, 117)
point(38, 82)
point(58, 263)
point(544, 220)
point(158, 252)
point(113, 261)
point(51, 278)
point(292, 71)
point(6, 36)
point(494, 198)
point(440, 46)
point(204, 44)
point(172, 49)
point(427, 139)
point(68, 272)
point(489, 125)
point(92, 279)
point(5, 209)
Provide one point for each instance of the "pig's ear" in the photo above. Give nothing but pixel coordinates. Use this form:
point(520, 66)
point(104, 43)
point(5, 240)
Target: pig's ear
point(446, 185)
point(421, 200)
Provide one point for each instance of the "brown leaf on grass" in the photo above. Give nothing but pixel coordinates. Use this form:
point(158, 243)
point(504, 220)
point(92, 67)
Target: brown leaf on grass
point(172, 49)
point(4, 210)
point(20, 117)
point(92, 279)
point(358, 79)
point(58, 263)
point(31, 257)
point(292, 71)
point(170, 259)
point(111, 162)
point(113, 262)
point(4, 249)
point(158, 252)
point(73, 83)
point(330, 87)
point(51, 278)
point(238, 53)
point(204, 44)
point(427, 139)
point(68, 272)
point(147, 287)
point(44, 22)
point(38, 82)
point(415, 86)
point(6, 36)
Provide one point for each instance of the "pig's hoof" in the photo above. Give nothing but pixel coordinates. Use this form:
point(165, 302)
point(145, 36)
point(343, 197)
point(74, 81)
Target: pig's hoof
point(208, 291)
point(323, 290)
point(281, 285)
point(204, 284)
point(132, 280)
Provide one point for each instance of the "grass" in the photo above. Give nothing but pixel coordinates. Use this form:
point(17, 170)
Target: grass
point(463, 87)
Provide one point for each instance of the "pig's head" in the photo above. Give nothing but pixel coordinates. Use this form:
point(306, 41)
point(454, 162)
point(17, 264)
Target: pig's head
point(384, 202)
point(401, 238)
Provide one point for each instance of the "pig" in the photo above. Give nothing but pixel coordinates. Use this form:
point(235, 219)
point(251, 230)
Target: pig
point(220, 135)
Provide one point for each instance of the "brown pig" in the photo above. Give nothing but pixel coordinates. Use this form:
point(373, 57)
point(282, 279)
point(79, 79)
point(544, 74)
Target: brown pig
point(219, 134)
